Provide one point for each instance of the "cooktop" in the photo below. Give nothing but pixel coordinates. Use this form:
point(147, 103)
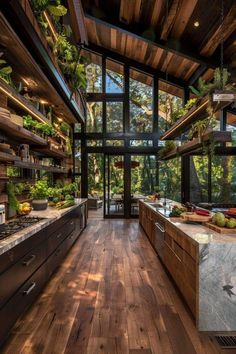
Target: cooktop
point(16, 225)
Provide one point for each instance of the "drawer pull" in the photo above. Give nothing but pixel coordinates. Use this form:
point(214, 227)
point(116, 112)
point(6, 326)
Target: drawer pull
point(59, 235)
point(32, 286)
point(72, 222)
point(30, 260)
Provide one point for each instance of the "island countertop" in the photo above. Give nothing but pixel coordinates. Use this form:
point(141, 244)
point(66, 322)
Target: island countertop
point(49, 216)
point(198, 233)
point(212, 290)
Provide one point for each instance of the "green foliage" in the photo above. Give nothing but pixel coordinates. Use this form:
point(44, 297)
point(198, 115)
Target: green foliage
point(178, 112)
point(202, 88)
point(39, 190)
point(70, 189)
point(68, 147)
point(54, 192)
point(70, 62)
point(5, 70)
point(12, 201)
point(19, 188)
point(29, 122)
point(44, 128)
point(53, 6)
point(169, 146)
point(200, 127)
point(221, 78)
point(65, 128)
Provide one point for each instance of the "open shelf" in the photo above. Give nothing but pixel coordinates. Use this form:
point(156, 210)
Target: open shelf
point(4, 157)
point(26, 68)
point(196, 112)
point(35, 166)
point(50, 151)
point(19, 133)
point(199, 143)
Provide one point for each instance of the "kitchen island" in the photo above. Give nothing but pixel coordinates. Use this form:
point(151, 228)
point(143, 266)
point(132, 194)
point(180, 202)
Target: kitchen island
point(202, 264)
point(29, 257)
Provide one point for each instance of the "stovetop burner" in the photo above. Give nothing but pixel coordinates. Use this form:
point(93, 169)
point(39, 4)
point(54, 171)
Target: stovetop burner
point(17, 224)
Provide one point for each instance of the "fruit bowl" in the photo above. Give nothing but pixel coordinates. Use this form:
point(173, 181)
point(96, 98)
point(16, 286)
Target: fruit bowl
point(24, 212)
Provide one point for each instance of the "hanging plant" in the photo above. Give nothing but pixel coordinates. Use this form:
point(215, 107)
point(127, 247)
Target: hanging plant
point(168, 147)
point(5, 70)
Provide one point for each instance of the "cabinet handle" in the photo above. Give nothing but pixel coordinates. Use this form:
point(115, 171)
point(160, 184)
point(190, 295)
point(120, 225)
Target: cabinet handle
point(59, 235)
point(72, 222)
point(30, 260)
point(32, 286)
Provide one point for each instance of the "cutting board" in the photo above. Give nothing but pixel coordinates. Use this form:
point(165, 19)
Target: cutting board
point(220, 230)
point(196, 218)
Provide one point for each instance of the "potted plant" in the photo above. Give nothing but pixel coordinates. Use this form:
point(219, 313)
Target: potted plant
point(39, 193)
point(13, 203)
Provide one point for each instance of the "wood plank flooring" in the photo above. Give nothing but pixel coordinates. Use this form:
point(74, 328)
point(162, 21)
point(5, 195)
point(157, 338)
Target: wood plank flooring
point(111, 295)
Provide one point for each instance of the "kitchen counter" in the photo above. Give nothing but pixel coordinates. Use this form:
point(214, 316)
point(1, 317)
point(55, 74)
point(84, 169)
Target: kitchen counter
point(215, 283)
point(50, 215)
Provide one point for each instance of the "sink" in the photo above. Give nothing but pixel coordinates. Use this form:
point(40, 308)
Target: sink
point(155, 205)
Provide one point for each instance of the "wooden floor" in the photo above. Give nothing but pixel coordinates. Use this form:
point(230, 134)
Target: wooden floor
point(111, 295)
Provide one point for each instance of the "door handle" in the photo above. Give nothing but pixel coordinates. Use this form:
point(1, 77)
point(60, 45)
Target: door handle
point(30, 260)
point(32, 286)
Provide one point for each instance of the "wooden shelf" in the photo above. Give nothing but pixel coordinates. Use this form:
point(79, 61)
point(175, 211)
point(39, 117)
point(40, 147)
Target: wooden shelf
point(197, 143)
point(50, 151)
point(195, 113)
point(4, 157)
point(21, 101)
point(34, 166)
point(50, 85)
point(19, 133)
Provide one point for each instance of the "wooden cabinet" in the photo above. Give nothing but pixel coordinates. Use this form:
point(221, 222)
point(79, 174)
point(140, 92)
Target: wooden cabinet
point(25, 269)
point(180, 258)
point(180, 255)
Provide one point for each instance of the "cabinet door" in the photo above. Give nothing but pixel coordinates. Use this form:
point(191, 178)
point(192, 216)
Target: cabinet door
point(21, 301)
point(16, 275)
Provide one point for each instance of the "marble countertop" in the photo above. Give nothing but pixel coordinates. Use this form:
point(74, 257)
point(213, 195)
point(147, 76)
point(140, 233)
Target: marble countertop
point(199, 233)
point(50, 215)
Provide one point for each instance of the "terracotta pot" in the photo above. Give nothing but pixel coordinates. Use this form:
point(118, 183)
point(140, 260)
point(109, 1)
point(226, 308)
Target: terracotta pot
point(40, 204)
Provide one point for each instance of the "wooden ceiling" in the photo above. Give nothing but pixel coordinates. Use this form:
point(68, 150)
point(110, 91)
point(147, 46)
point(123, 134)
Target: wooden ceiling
point(167, 41)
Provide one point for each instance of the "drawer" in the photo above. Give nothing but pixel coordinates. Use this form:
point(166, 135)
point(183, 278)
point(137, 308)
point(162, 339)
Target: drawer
point(21, 301)
point(182, 240)
point(16, 275)
point(57, 237)
point(16, 253)
point(58, 255)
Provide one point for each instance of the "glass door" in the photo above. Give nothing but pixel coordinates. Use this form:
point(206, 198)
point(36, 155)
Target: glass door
point(144, 180)
point(114, 186)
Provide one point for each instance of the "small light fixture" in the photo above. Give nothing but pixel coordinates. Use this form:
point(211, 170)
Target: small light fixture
point(43, 102)
point(196, 24)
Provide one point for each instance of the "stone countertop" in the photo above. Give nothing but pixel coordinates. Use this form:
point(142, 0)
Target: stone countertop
point(50, 215)
point(199, 233)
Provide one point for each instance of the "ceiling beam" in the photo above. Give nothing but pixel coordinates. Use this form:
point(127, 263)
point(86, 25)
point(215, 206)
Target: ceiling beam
point(78, 21)
point(223, 32)
point(170, 19)
point(137, 65)
point(199, 72)
point(172, 46)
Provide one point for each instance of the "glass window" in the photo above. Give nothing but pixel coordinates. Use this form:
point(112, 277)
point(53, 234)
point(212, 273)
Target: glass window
point(170, 179)
point(223, 179)
point(77, 152)
point(93, 72)
point(114, 77)
point(140, 100)
point(77, 128)
point(198, 179)
point(114, 117)
point(138, 142)
point(115, 142)
point(94, 117)
point(94, 143)
point(169, 109)
point(95, 174)
point(78, 181)
point(231, 126)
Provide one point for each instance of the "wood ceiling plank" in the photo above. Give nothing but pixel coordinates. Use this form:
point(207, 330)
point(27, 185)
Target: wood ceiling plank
point(191, 70)
point(113, 38)
point(158, 9)
point(137, 10)
point(182, 17)
point(170, 19)
point(223, 31)
point(157, 58)
point(126, 11)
